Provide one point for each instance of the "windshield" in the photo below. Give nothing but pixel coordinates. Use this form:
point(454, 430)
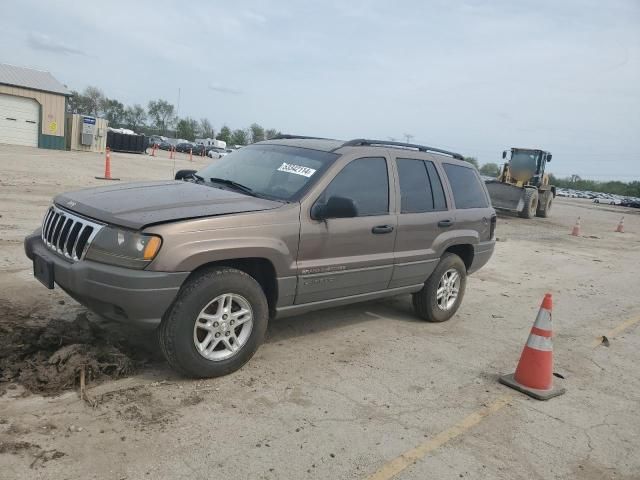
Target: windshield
point(524, 164)
point(273, 171)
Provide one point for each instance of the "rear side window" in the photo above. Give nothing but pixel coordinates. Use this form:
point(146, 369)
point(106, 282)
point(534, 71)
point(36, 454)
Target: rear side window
point(366, 182)
point(420, 186)
point(466, 186)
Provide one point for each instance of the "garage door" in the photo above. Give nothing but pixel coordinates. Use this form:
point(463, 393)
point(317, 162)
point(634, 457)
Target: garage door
point(19, 120)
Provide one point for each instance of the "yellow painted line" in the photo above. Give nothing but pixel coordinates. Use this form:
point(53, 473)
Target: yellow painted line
point(408, 458)
point(617, 330)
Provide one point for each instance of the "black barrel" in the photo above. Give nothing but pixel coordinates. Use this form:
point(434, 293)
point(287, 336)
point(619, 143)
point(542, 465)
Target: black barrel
point(121, 142)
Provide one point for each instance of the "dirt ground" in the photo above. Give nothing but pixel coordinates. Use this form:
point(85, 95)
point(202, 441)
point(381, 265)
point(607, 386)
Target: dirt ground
point(366, 391)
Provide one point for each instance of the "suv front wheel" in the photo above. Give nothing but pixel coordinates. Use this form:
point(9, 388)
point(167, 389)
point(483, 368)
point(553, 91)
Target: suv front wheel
point(216, 324)
point(442, 293)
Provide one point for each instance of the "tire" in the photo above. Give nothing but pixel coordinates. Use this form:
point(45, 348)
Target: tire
point(544, 207)
point(530, 203)
point(177, 334)
point(425, 302)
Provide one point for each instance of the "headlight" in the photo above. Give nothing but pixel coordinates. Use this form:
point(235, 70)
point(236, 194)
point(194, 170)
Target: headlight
point(124, 248)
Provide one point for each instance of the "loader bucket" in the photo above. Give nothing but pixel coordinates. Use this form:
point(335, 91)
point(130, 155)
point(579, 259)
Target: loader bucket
point(505, 196)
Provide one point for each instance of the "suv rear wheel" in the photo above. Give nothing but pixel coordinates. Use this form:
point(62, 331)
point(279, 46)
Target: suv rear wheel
point(216, 324)
point(442, 293)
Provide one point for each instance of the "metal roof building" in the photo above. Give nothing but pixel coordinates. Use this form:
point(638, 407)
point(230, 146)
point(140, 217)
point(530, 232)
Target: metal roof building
point(32, 108)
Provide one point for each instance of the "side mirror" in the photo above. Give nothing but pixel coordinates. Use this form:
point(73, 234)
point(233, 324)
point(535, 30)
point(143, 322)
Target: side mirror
point(504, 154)
point(336, 207)
point(182, 174)
point(549, 157)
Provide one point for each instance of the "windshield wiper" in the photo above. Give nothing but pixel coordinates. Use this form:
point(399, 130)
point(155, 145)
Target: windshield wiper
point(235, 185)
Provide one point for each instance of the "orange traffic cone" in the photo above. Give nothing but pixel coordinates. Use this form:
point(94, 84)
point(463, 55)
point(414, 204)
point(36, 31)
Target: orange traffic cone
point(191, 154)
point(107, 167)
point(170, 153)
point(620, 228)
point(534, 374)
point(153, 150)
point(576, 228)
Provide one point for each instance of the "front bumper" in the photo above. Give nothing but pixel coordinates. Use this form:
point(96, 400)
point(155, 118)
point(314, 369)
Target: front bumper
point(116, 293)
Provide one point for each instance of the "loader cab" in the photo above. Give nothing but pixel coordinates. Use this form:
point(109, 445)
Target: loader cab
point(526, 165)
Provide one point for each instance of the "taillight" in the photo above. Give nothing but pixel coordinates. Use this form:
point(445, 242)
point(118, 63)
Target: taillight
point(492, 230)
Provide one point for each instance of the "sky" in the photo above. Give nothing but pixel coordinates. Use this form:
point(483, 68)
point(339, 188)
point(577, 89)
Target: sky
point(476, 77)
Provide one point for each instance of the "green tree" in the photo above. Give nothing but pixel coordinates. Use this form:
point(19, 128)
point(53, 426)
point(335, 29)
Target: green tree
point(161, 113)
point(271, 133)
point(93, 99)
point(257, 133)
point(88, 102)
point(490, 169)
point(135, 117)
point(187, 128)
point(113, 111)
point(225, 134)
point(240, 137)
point(75, 103)
point(206, 130)
point(472, 160)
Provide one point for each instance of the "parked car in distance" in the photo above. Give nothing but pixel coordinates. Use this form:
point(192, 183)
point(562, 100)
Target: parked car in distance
point(198, 149)
point(607, 200)
point(184, 147)
point(279, 228)
point(216, 152)
point(631, 202)
point(165, 146)
point(155, 140)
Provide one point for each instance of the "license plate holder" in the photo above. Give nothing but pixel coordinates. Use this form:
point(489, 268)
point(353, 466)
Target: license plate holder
point(43, 271)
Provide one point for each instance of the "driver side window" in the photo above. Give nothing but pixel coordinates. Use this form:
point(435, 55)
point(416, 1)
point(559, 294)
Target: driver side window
point(366, 182)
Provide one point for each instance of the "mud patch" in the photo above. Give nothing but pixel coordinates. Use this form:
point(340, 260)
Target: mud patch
point(40, 456)
point(16, 447)
point(138, 406)
point(46, 355)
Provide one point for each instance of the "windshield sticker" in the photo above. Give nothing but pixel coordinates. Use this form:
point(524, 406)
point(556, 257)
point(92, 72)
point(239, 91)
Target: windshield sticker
point(296, 169)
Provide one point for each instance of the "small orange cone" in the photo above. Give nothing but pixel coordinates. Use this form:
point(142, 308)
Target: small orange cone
point(534, 374)
point(191, 154)
point(620, 228)
point(576, 228)
point(153, 150)
point(107, 167)
point(170, 153)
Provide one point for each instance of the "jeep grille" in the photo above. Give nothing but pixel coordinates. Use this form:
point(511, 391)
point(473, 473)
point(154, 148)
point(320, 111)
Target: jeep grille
point(68, 234)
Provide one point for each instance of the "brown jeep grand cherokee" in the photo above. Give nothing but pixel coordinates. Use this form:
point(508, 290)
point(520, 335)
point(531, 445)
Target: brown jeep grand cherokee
point(277, 228)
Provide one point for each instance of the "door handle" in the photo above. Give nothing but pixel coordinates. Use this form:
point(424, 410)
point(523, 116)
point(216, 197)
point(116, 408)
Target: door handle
point(382, 229)
point(445, 223)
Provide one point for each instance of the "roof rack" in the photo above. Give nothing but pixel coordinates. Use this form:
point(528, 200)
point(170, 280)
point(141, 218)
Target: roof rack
point(358, 142)
point(296, 137)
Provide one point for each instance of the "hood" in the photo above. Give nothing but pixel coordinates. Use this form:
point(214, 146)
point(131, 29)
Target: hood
point(140, 204)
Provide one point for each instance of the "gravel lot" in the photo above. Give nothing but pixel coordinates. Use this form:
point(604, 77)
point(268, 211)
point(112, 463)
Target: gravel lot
point(342, 393)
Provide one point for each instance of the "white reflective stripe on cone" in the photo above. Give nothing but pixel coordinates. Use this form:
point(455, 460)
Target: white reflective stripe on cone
point(543, 320)
point(538, 342)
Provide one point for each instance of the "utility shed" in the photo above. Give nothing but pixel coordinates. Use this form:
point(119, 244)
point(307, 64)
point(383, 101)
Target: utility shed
point(32, 108)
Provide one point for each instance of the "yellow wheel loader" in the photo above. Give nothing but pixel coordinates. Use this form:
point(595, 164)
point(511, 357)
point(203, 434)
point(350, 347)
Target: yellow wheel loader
point(522, 185)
